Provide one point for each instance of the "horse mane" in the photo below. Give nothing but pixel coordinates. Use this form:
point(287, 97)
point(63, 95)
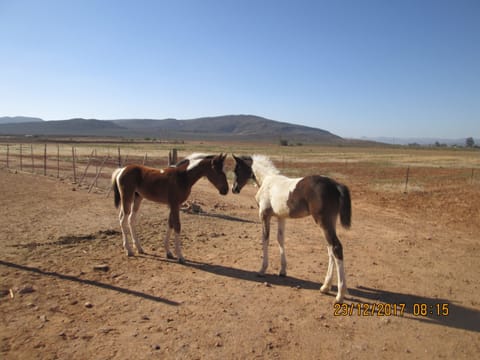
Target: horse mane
point(193, 160)
point(263, 166)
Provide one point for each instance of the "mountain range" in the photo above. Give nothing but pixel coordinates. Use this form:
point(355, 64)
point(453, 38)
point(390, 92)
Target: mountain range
point(228, 127)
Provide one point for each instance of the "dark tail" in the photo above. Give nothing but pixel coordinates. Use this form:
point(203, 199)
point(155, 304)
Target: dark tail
point(345, 206)
point(116, 192)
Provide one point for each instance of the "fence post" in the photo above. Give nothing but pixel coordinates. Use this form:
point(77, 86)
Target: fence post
point(119, 158)
point(96, 164)
point(98, 174)
point(406, 179)
point(58, 160)
point(110, 187)
point(85, 172)
point(145, 159)
point(31, 153)
point(172, 157)
point(73, 164)
point(45, 160)
point(21, 160)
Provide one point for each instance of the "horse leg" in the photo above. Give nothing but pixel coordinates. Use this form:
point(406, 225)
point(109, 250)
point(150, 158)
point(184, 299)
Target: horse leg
point(178, 248)
point(281, 245)
point(166, 243)
point(328, 278)
point(123, 217)
point(335, 252)
point(174, 223)
point(342, 283)
point(265, 240)
point(131, 223)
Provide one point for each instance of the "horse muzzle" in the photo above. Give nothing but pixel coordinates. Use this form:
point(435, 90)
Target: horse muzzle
point(235, 189)
point(224, 191)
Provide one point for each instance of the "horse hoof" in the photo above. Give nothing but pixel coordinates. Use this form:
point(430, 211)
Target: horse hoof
point(140, 251)
point(181, 261)
point(324, 289)
point(282, 274)
point(129, 253)
point(170, 256)
point(261, 275)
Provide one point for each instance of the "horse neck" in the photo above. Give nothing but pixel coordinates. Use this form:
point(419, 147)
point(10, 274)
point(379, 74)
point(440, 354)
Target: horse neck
point(197, 172)
point(261, 176)
point(261, 171)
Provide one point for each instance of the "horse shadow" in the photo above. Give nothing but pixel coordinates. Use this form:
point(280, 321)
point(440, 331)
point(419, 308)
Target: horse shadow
point(459, 316)
point(241, 274)
point(95, 283)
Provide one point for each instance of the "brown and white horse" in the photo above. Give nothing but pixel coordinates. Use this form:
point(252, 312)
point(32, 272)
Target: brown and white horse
point(171, 186)
point(283, 197)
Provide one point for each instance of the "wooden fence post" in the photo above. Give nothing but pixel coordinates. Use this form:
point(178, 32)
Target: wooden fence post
point(45, 160)
point(172, 157)
point(98, 174)
point(31, 153)
point(21, 160)
point(119, 158)
point(110, 187)
point(58, 160)
point(73, 164)
point(85, 172)
point(96, 164)
point(406, 179)
point(145, 159)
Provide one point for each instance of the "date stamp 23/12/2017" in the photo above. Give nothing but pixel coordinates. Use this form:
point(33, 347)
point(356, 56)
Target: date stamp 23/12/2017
point(391, 309)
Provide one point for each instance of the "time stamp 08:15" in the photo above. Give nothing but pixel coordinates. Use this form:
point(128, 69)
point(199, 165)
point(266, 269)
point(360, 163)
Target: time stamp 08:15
point(386, 309)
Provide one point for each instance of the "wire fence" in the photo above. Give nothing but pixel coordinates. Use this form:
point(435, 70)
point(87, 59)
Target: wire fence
point(92, 167)
point(84, 168)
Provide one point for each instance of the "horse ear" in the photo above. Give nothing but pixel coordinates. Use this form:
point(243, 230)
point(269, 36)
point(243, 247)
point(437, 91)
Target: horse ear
point(237, 159)
point(217, 161)
point(220, 157)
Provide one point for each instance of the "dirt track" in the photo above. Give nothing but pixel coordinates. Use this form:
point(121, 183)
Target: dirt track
point(215, 306)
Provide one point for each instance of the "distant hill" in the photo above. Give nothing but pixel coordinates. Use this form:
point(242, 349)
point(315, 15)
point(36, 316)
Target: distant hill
point(72, 127)
point(18, 119)
point(419, 141)
point(229, 127)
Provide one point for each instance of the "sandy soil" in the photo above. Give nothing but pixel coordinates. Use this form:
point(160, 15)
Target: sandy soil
point(404, 252)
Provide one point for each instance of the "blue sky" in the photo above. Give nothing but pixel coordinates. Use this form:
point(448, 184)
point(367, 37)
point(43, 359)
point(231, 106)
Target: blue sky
point(398, 68)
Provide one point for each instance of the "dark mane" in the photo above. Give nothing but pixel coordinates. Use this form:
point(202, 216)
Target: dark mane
point(181, 162)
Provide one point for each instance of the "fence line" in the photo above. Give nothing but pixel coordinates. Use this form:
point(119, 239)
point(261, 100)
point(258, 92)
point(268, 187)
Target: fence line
point(66, 162)
point(85, 167)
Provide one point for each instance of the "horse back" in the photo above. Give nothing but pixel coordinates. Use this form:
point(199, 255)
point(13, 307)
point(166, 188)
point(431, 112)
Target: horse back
point(274, 195)
point(152, 184)
point(317, 195)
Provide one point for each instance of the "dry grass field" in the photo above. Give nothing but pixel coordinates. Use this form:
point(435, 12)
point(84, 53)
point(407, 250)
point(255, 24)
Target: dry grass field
point(411, 260)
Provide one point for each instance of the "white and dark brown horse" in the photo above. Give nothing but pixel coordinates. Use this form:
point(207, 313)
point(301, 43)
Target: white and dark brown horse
point(319, 196)
point(171, 186)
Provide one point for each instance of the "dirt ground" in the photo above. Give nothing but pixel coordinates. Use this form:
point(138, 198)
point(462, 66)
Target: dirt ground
point(407, 257)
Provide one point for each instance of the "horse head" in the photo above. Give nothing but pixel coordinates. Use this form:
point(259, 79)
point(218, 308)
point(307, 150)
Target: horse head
point(242, 173)
point(216, 174)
